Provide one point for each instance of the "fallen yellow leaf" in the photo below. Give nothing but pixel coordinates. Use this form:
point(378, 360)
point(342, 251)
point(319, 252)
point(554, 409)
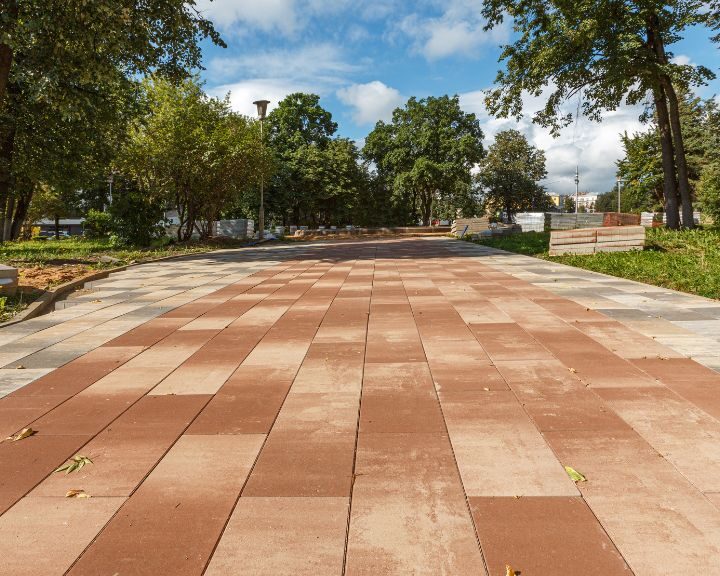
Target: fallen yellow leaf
point(24, 433)
point(575, 476)
point(77, 494)
point(509, 571)
point(573, 370)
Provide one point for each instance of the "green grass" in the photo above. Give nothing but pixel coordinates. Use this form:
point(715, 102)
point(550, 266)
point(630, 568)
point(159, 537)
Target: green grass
point(12, 305)
point(688, 261)
point(89, 252)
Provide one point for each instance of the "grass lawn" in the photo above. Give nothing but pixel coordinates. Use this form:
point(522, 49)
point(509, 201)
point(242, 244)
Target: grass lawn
point(688, 261)
point(46, 263)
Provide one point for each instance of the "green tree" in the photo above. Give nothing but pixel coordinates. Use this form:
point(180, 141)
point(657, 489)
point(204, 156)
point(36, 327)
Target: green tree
point(426, 155)
point(568, 204)
point(709, 192)
point(319, 178)
point(606, 53)
point(67, 67)
point(510, 173)
point(641, 170)
point(191, 152)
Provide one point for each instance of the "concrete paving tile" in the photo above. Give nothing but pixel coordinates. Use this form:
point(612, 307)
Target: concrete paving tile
point(318, 413)
point(84, 414)
point(294, 464)
point(172, 523)
point(283, 537)
point(43, 537)
point(508, 342)
point(17, 412)
point(453, 376)
point(673, 370)
point(498, 449)
point(149, 333)
point(544, 537)
point(331, 368)
point(556, 399)
point(125, 452)
point(399, 398)
point(247, 404)
point(26, 463)
point(409, 514)
point(683, 434)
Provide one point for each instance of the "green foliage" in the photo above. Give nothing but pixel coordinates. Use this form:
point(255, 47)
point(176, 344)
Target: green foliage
point(599, 49)
point(709, 192)
point(68, 82)
point(641, 168)
point(97, 224)
point(191, 152)
point(605, 53)
point(425, 156)
point(688, 261)
point(319, 178)
point(136, 218)
point(568, 204)
point(509, 175)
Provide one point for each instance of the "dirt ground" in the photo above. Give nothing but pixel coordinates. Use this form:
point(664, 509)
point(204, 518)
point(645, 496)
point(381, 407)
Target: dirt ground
point(48, 276)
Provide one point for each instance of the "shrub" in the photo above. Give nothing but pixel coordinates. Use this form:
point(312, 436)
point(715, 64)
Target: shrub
point(97, 224)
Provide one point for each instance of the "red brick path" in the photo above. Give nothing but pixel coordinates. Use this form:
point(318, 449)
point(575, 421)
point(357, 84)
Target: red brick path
point(393, 408)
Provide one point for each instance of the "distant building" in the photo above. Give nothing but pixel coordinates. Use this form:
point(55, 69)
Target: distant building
point(71, 226)
point(587, 201)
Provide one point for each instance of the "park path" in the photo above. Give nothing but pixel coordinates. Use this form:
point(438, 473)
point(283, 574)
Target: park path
point(364, 408)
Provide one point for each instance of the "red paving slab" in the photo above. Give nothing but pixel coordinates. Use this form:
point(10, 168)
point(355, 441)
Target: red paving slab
point(369, 407)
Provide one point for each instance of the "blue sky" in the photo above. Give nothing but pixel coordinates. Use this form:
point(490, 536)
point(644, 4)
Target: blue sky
point(364, 58)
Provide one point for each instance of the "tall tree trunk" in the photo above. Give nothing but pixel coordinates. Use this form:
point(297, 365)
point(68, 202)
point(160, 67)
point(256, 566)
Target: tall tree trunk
point(57, 227)
point(21, 210)
point(668, 161)
point(10, 9)
point(683, 182)
point(7, 221)
point(688, 220)
point(670, 186)
point(7, 152)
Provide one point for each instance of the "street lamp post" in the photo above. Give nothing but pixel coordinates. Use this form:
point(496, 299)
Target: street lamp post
point(262, 113)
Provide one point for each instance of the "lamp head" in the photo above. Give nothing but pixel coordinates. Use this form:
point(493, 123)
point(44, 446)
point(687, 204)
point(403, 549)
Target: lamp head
point(262, 108)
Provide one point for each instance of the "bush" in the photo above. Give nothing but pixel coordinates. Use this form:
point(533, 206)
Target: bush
point(97, 224)
point(709, 192)
point(136, 218)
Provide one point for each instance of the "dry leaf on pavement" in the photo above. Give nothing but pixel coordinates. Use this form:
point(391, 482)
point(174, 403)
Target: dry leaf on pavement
point(575, 476)
point(24, 433)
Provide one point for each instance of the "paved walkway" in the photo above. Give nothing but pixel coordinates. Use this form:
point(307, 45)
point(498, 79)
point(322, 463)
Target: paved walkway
point(366, 408)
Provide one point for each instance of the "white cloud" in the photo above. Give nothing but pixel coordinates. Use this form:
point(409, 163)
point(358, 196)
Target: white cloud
point(371, 102)
point(244, 93)
point(457, 30)
point(267, 15)
point(682, 60)
point(287, 17)
point(323, 63)
point(592, 146)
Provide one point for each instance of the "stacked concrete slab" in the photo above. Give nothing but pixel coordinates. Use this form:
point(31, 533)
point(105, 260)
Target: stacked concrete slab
point(8, 280)
point(574, 221)
point(595, 240)
point(465, 226)
point(240, 228)
point(533, 221)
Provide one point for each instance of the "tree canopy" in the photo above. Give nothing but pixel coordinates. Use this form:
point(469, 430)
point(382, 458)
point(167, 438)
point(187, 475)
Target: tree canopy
point(510, 173)
point(605, 53)
point(68, 83)
point(426, 155)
